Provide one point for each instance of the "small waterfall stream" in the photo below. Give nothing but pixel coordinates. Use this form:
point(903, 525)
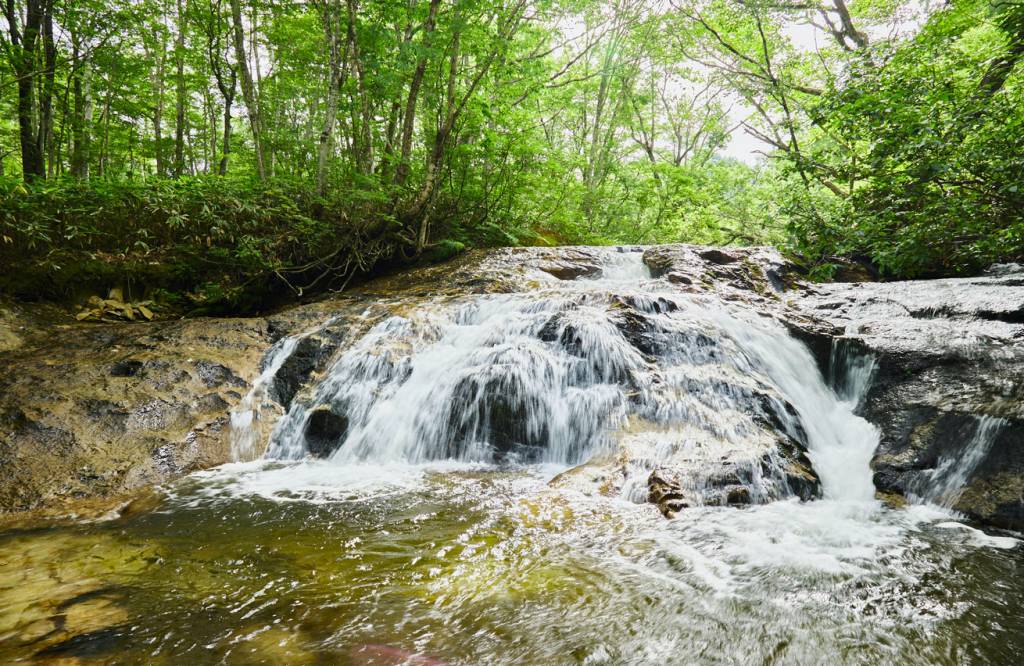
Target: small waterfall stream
point(944, 484)
point(245, 430)
point(576, 367)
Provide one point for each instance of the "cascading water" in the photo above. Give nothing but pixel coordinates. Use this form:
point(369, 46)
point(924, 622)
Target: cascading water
point(445, 527)
point(245, 416)
point(944, 484)
point(564, 373)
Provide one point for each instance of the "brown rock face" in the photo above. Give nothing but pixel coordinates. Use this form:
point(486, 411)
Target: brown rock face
point(103, 410)
point(98, 409)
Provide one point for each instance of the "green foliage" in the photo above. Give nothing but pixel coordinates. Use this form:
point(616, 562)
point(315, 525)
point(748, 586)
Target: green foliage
point(228, 151)
point(934, 170)
point(60, 237)
point(444, 250)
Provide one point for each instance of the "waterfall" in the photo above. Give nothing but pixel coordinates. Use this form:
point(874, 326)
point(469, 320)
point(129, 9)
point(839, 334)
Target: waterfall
point(944, 484)
point(244, 432)
point(573, 369)
point(840, 443)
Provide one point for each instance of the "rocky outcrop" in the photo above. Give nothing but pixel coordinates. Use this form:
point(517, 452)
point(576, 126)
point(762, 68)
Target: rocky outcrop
point(759, 278)
point(947, 391)
point(676, 469)
point(104, 410)
point(91, 410)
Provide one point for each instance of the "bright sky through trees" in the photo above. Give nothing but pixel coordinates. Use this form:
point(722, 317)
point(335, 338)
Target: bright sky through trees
point(877, 128)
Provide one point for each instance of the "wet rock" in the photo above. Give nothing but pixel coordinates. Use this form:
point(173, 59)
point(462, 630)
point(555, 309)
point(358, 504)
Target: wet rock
point(10, 326)
point(308, 356)
point(126, 368)
point(719, 256)
point(737, 496)
point(678, 466)
point(818, 336)
point(213, 374)
point(155, 415)
point(679, 278)
point(946, 353)
point(325, 432)
point(213, 402)
point(570, 271)
point(125, 406)
point(637, 329)
point(666, 492)
point(496, 411)
point(734, 273)
point(119, 412)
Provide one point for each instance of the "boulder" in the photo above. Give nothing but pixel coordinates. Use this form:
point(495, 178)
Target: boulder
point(570, 271)
point(325, 431)
point(308, 355)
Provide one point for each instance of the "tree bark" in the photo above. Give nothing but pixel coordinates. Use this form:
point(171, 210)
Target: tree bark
point(44, 138)
point(248, 88)
point(364, 145)
point(394, 117)
point(156, 82)
point(179, 115)
point(21, 54)
point(336, 75)
point(409, 119)
point(82, 118)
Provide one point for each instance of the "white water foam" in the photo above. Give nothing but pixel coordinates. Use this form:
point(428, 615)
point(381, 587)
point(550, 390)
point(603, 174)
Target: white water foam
point(559, 359)
point(245, 416)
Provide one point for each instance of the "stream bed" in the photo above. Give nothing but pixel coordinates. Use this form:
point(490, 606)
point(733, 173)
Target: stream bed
point(468, 564)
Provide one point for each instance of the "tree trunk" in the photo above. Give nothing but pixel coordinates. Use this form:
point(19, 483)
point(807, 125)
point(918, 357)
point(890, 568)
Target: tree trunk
point(44, 137)
point(210, 133)
point(105, 146)
point(336, 76)
point(21, 53)
point(179, 115)
point(32, 166)
point(226, 140)
point(409, 119)
point(394, 117)
point(248, 87)
point(364, 146)
point(156, 82)
point(82, 120)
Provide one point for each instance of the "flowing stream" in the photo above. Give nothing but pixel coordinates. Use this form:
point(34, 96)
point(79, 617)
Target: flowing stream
point(436, 524)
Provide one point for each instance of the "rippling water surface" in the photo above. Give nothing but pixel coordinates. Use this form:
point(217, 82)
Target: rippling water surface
point(309, 563)
point(364, 560)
